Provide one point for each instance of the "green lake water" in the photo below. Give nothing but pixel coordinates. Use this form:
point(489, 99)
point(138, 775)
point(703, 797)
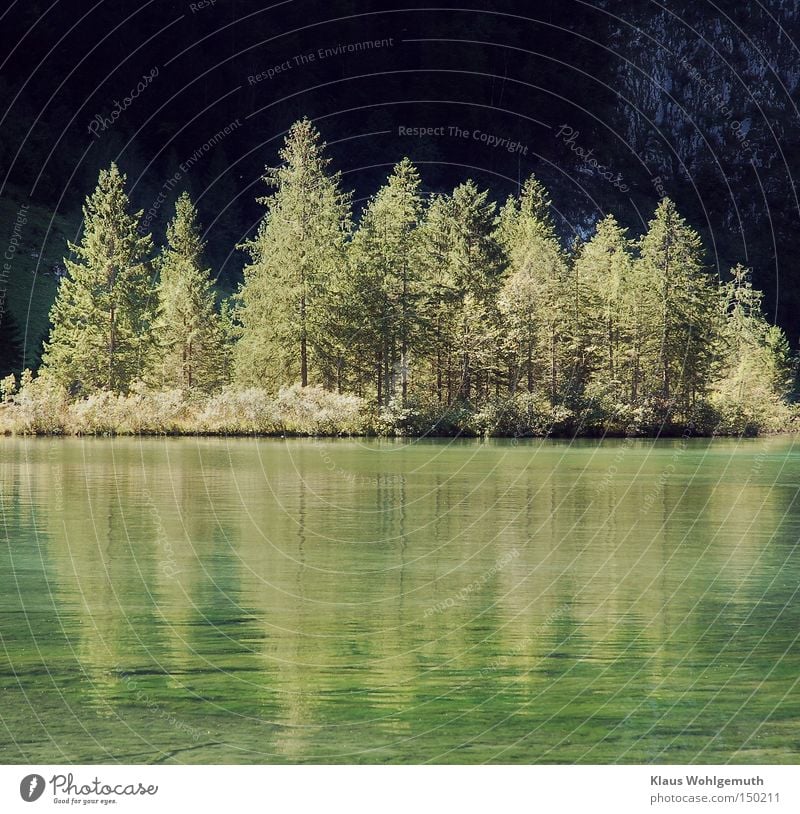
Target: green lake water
point(255, 601)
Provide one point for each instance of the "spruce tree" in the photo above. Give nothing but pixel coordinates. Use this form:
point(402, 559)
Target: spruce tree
point(188, 329)
point(532, 205)
point(683, 347)
point(533, 299)
point(473, 264)
point(439, 301)
point(607, 310)
point(384, 281)
point(101, 335)
point(756, 370)
point(297, 254)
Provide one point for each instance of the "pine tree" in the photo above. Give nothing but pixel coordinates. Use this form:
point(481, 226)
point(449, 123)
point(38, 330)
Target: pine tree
point(533, 300)
point(384, 282)
point(231, 332)
point(532, 205)
point(101, 336)
point(298, 252)
point(756, 370)
point(438, 305)
point(607, 310)
point(464, 267)
point(188, 328)
point(683, 347)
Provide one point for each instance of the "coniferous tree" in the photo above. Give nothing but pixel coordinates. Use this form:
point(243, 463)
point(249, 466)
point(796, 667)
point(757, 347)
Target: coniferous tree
point(682, 348)
point(102, 317)
point(295, 258)
point(607, 315)
point(534, 295)
point(470, 283)
point(532, 205)
point(439, 301)
point(231, 332)
point(756, 370)
point(384, 282)
point(188, 328)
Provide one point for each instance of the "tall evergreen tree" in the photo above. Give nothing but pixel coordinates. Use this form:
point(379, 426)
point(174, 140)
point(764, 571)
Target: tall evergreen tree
point(683, 346)
point(296, 256)
point(102, 316)
point(607, 310)
point(188, 327)
point(462, 228)
point(756, 370)
point(532, 205)
point(439, 301)
point(384, 281)
point(533, 299)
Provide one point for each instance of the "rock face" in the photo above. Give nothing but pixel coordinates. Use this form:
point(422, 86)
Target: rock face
point(707, 85)
point(707, 101)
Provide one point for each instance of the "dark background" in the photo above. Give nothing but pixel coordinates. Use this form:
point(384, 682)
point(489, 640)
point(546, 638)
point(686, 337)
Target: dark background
point(611, 71)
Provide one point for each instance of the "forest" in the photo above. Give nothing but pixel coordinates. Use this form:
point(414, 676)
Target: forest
point(439, 314)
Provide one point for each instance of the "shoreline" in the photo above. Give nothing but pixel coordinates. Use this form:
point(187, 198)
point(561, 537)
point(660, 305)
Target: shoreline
point(42, 407)
point(678, 435)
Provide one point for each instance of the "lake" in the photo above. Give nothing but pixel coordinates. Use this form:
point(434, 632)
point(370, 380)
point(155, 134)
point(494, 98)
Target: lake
point(364, 601)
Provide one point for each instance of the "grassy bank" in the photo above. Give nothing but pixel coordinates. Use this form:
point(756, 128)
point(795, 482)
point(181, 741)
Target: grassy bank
point(41, 407)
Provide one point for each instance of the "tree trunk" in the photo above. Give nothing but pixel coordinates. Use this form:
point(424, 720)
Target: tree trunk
point(664, 312)
point(388, 362)
point(438, 362)
point(466, 385)
point(404, 341)
point(610, 346)
point(112, 340)
point(530, 366)
point(303, 344)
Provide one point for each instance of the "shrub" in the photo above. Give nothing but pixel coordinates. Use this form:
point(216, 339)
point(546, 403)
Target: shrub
point(523, 415)
point(8, 386)
point(233, 412)
point(421, 419)
point(296, 411)
point(39, 407)
point(394, 419)
point(738, 417)
point(314, 411)
point(42, 406)
point(139, 412)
